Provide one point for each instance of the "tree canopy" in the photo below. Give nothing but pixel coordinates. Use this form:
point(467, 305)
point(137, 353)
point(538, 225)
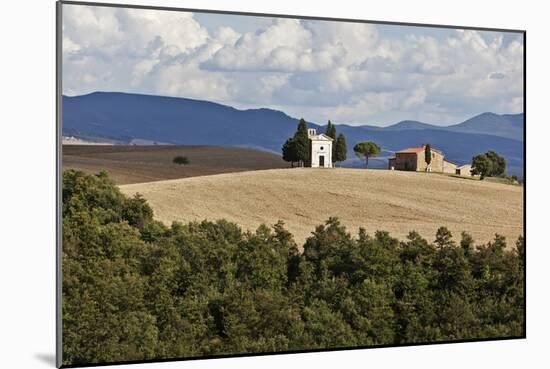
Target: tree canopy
point(489, 164)
point(290, 153)
point(366, 149)
point(499, 163)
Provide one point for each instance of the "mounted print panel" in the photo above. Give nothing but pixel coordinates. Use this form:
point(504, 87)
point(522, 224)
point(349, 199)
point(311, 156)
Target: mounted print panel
point(242, 184)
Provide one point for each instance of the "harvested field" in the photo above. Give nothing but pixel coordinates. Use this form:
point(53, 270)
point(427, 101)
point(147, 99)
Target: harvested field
point(135, 164)
point(303, 198)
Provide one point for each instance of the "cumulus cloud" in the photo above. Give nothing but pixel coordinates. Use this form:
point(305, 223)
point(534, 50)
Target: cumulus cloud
point(348, 72)
point(138, 50)
point(415, 98)
point(284, 46)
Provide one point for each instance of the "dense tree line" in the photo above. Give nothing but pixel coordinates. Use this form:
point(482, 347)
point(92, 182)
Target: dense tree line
point(135, 289)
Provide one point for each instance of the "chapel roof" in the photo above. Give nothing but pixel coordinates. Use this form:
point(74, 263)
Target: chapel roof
point(321, 137)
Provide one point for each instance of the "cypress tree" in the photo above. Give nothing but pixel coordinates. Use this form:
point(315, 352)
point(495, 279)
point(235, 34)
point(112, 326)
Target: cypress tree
point(428, 154)
point(302, 143)
point(340, 149)
point(331, 132)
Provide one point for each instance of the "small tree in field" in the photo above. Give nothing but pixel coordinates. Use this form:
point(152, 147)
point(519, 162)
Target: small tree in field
point(482, 165)
point(366, 149)
point(489, 164)
point(428, 155)
point(181, 160)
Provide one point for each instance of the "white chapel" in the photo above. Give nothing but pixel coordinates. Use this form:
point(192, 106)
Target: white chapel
point(321, 149)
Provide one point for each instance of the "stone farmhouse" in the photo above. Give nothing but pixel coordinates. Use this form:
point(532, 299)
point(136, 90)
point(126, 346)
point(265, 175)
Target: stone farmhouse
point(321, 149)
point(414, 159)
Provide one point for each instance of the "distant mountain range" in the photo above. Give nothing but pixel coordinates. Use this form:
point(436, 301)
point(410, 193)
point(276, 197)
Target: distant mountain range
point(126, 118)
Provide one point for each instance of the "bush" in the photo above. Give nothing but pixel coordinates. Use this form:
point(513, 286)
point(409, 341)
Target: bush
point(135, 289)
point(181, 160)
point(489, 164)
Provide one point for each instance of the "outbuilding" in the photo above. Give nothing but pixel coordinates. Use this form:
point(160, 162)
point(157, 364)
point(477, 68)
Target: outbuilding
point(464, 170)
point(414, 159)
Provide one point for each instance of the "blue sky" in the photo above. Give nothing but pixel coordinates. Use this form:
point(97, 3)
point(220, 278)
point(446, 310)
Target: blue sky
point(353, 73)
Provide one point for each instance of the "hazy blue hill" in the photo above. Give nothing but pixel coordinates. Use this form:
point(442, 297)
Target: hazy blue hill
point(125, 117)
point(507, 125)
point(517, 119)
point(409, 125)
point(173, 120)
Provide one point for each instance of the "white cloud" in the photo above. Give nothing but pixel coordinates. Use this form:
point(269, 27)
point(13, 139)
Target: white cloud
point(283, 46)
point(289, 45)
point(348, 72)
point(415, 98)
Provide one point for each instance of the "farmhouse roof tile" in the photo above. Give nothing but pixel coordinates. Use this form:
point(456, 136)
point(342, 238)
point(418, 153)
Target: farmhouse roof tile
point(416, 149)
point(411, 149)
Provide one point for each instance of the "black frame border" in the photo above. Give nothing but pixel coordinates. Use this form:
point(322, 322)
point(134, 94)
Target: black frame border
point(59, 223)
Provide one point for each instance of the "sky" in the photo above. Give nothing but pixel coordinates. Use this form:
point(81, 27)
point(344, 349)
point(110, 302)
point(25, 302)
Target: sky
point(350, 73)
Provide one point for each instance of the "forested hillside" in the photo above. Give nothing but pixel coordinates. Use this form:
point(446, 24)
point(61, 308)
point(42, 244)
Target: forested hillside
point(134, 289)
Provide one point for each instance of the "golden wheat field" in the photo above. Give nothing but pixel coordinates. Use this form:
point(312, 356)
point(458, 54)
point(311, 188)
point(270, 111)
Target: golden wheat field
point(303, 198)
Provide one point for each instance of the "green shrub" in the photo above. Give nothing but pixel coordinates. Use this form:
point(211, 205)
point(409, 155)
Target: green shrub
point(181, 160)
